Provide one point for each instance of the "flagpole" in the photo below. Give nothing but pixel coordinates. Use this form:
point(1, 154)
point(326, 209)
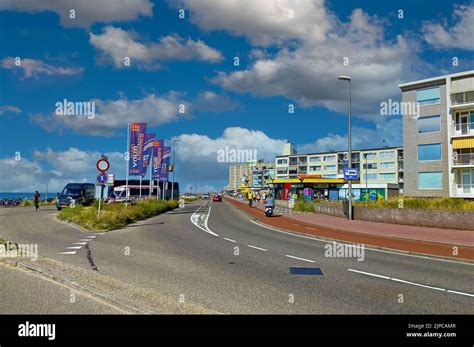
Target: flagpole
point(127, 165)
point(140, 186)
point(151, 173)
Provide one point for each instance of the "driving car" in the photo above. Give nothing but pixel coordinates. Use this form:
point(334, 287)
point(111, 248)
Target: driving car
point(76, 193)
point(205, 196)
point(217, 197)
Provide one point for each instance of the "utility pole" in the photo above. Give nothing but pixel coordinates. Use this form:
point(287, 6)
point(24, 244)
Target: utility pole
point(349, 135)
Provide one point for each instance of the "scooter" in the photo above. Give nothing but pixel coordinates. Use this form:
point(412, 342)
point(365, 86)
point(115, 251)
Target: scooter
point(268, 211)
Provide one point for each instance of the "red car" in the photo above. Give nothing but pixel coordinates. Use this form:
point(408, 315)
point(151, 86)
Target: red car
point(217, 198)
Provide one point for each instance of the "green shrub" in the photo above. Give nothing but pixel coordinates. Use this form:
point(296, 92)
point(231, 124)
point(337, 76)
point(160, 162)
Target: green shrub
point(304, 206)
point(421, 203)
point(115, 216)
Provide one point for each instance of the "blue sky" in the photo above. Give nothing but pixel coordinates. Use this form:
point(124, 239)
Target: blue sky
point(284, 59)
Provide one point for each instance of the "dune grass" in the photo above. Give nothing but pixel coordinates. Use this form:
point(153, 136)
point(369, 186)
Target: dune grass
point(29, 203)
point(421, 203)
point(189, 198)
point(115, 216)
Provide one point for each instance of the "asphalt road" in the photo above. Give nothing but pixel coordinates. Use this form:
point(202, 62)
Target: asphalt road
point(214, 256)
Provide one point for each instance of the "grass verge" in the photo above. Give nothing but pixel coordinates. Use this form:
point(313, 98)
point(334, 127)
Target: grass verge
point(115, 216)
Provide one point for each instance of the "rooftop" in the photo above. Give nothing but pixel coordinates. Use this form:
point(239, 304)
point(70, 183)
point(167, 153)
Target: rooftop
point(341, 151)
point(436, 79)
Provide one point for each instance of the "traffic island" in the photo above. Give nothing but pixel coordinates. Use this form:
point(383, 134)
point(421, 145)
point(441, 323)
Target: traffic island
point(368, 233)
point(115, 216)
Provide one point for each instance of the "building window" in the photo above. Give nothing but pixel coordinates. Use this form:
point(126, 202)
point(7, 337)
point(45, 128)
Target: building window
point(314, 159)
point(430, 180)
point(387, 165)
point(387, 154)
point(387, 176)
point(282, 161)
point(429, 152)
point(370, 166)
point(428, 96)
point(370, 176)
point(329, 157)
point(330, 167)
point(431, 124)
point(315, 168)
point(370, 156)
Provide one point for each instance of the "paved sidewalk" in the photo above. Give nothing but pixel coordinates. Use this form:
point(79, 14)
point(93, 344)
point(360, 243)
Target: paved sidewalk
point(449, 236)
point(433, 241)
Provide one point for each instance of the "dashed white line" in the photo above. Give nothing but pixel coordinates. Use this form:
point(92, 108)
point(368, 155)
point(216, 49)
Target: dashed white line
point(255, 247)
point(298, 258)
point(411, 283)
point(86, 240)
point(225, 238)
point(79, 243)
point(75, 247)
point(68, 252)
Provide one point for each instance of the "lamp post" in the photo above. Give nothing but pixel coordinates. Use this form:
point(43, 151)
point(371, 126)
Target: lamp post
point(195, 186)
point(349, 135)
point(174, 160)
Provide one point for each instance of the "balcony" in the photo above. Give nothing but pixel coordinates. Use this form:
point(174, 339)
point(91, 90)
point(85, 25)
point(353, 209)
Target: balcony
point(463, 159)
point(461, 129)
point(463, 190)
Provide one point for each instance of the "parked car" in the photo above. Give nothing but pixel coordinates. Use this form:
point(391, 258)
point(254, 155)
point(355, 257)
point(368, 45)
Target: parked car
point(217, 197)
point(76, 193)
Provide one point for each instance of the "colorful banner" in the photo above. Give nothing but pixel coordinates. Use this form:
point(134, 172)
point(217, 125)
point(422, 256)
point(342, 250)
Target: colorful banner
point(157, 158)
point(165, 164)
point(137, 139)
point(147, 152)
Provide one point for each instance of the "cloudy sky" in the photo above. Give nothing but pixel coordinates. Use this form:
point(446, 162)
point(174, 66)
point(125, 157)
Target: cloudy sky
point(225, 75)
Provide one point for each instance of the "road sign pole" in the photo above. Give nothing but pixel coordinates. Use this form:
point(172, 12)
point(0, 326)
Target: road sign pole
point(100, 201)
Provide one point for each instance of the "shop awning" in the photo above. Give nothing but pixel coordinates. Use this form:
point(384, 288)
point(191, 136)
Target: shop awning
point(463, 143)
point(310, 180)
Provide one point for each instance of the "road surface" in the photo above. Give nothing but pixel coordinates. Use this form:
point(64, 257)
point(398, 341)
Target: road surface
point(210, 257)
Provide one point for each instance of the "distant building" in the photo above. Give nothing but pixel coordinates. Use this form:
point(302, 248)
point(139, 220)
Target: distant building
point(252, 172)
point(439, 140)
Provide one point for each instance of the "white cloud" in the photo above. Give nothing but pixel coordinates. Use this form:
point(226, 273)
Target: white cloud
point(264, 22)
point(116, 114)
point(22, 175)
point(87, 12)
point(458, 35)
point(305, 55)
point(33, 68)
point(9, 109)
point(117, 44)
point(209, 101)
point(390, 131)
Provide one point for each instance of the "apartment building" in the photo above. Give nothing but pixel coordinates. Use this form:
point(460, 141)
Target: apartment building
point(438, 139)
point(255, 172)
point(376, 165)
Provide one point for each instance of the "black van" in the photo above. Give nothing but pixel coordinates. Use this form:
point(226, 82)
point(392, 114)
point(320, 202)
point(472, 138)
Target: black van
point(77, 193)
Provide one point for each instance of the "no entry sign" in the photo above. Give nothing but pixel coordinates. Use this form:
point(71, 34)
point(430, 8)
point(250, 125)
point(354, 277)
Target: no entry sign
point(102, 165)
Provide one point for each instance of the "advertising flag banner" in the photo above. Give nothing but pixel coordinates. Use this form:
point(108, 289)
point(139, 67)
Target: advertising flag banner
point(165, 164)
point(147, 152)
point(157, 158)
point(137, 140)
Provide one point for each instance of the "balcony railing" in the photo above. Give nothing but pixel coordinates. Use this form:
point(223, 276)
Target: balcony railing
point(463, 129)
point(464, 190)
point(463, 158)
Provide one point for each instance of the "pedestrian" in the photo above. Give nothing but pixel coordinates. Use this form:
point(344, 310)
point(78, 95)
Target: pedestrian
point(36, 199)
point(249, 196)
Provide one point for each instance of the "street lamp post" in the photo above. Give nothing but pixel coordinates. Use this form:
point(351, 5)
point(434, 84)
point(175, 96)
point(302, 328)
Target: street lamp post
point(174, 160)
point(349, 135)
point(195, 186)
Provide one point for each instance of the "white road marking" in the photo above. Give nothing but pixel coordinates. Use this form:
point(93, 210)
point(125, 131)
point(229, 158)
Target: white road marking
point(194, 220)
point(80, 243)
point(67, 252)
point(225, 238)
point(255, 247)
point(411, 283)
point(85, 240)
point(75, 247)
point(298, 258)
point(366, 248)
point(91, 236)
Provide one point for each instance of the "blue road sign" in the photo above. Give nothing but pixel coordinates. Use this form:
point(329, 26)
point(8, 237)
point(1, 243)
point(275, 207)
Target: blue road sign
point(102, 178)
point(351, 174)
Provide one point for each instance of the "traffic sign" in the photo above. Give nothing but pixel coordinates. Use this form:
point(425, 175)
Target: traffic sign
point(110, 179)
point(102, 165)
point(102, 178)
point(351, 174)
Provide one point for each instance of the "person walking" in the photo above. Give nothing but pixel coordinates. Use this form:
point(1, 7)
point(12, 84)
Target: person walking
point(249, 196)
point(36, 199)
